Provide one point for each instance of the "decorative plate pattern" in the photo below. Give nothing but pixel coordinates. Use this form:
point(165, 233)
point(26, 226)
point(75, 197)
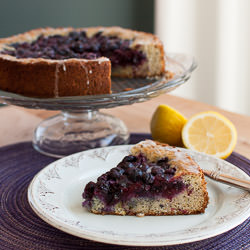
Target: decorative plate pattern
point(55, 195)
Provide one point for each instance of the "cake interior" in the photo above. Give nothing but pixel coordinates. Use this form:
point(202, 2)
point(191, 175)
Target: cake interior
point(79, 45)
point(134, 177)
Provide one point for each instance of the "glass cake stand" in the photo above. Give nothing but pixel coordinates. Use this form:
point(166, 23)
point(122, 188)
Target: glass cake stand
point(80, 126)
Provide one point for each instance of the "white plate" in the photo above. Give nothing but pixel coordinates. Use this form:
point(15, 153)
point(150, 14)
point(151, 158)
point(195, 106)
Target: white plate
point(55, 194)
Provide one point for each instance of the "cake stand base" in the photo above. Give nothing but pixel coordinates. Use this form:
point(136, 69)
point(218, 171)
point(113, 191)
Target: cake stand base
point(72, 132)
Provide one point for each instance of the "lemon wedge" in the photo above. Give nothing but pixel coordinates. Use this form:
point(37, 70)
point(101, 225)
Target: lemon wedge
point(166, 125)
point(211, 133)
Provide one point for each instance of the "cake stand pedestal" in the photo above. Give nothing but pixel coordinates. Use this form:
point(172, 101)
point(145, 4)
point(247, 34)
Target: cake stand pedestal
point(74, 131)
point(80, 126)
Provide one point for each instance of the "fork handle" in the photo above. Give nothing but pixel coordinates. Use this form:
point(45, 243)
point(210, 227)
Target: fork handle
point(232, 181)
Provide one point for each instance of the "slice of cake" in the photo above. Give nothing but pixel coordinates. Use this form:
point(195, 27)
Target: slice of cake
point(72, 62)
point(155, 179)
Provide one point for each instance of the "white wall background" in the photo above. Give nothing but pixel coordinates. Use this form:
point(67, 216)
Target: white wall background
point(217, 33)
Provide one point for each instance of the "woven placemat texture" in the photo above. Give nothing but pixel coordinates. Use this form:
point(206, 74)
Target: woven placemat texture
point(21, 228)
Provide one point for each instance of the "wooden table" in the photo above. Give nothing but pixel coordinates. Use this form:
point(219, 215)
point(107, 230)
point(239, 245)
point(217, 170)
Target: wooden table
point(17, 124)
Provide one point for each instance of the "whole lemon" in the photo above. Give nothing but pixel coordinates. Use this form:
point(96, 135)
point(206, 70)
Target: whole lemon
point(166, 125)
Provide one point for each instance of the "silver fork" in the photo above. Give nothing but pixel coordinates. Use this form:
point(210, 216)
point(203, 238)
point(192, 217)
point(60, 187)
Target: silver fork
point(229, 180)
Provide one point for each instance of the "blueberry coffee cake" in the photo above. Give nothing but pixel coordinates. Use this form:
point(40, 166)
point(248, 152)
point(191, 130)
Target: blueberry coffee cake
point(54, 62)
point(155, 179)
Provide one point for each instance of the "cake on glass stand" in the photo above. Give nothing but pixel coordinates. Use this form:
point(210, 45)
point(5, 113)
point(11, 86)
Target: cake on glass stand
point(80, 126)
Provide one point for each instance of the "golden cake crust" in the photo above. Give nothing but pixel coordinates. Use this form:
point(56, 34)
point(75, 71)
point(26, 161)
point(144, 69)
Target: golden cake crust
point(47, 78)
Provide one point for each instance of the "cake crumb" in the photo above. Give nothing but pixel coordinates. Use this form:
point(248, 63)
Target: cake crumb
point(140, 215)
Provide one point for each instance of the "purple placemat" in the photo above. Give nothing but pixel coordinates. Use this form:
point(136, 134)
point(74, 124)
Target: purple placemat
point(21, 228)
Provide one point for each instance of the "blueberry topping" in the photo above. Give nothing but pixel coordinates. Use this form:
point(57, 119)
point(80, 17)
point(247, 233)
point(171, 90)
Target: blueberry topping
point(78, 45)
point(136, 176)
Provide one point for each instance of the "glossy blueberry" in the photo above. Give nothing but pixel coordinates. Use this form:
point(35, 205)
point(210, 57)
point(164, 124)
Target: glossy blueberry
point(77, 47)
point(144, 167)
point(157, 170)
point(15, 45)
point(89, 190)
point(74, 35)
point(98, 34)
point(83, 34)
point(102, 178)
point(170, 171)
point(116, 173)
point(123, 181)
point(162, 161)
point(147, 178)
point(130, 158)
point(94, 47)
point(126, 165)
point(64, 51)
point(103, 187)
point(167, 177)
point(134, 174)
point(24, 45)
point(20, 52)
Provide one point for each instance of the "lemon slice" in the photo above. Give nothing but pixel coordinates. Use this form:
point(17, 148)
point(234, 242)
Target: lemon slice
point(166, 125)
point(211, 133)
